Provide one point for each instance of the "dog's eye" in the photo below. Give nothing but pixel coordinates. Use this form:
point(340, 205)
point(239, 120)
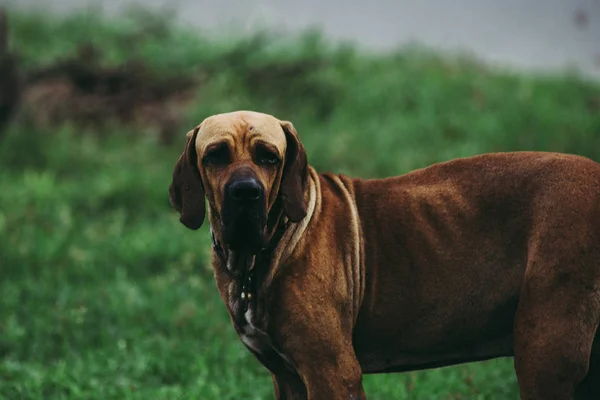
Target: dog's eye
point(218, 155)
point(266, 157)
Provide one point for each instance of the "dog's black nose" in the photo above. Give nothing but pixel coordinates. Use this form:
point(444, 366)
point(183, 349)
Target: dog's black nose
point(245, 190)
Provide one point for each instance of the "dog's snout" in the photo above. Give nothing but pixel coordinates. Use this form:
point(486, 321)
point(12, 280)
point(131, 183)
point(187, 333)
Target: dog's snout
point(245, 190)
point(244, 214)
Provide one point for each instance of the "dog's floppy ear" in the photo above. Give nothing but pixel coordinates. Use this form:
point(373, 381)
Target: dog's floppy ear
point(295, 175)
point(186, 190)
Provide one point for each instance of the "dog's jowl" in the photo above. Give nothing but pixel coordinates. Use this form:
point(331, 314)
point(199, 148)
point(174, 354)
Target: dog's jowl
point(327, 277)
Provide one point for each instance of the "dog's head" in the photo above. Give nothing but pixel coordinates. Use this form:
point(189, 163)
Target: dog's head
point(247, 165)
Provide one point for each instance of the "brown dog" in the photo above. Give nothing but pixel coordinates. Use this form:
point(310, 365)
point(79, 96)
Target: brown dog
point(327, 277)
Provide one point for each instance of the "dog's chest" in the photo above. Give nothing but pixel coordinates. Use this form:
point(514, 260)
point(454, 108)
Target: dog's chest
point(251, 330)
point(253, 337)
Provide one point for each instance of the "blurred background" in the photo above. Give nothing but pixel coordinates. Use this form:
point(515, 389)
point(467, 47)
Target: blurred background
point(105, 295)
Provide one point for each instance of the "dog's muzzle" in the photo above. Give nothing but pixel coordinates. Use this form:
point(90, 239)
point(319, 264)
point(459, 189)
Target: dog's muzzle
point(244, 213)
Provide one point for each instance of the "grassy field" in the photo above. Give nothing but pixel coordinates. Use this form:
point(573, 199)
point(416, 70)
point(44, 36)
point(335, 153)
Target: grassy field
point(105, 295)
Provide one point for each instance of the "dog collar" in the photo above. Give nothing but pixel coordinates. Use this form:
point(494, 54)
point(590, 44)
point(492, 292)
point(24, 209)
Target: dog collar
point(216, 245)
point(247, 282)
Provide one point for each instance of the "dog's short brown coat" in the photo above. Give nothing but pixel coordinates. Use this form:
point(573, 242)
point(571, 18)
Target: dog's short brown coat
point(480, 257)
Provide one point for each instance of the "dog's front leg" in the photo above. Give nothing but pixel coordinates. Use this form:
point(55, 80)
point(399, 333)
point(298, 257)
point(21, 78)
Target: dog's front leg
point(288, 386)
point(323, 356)
point(331, 373)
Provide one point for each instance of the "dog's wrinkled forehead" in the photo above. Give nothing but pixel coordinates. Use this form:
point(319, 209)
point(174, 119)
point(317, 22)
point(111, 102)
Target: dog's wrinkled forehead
point(241, 129)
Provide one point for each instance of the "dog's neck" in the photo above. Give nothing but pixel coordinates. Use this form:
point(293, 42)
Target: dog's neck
point(241, 266)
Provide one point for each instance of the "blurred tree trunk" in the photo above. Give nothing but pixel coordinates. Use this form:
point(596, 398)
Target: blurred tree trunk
point(9, 77)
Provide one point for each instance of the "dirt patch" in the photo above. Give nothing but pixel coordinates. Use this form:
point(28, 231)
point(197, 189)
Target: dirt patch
point(81, 91)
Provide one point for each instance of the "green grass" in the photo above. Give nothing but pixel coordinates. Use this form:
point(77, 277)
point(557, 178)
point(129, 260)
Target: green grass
point(105, 295)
